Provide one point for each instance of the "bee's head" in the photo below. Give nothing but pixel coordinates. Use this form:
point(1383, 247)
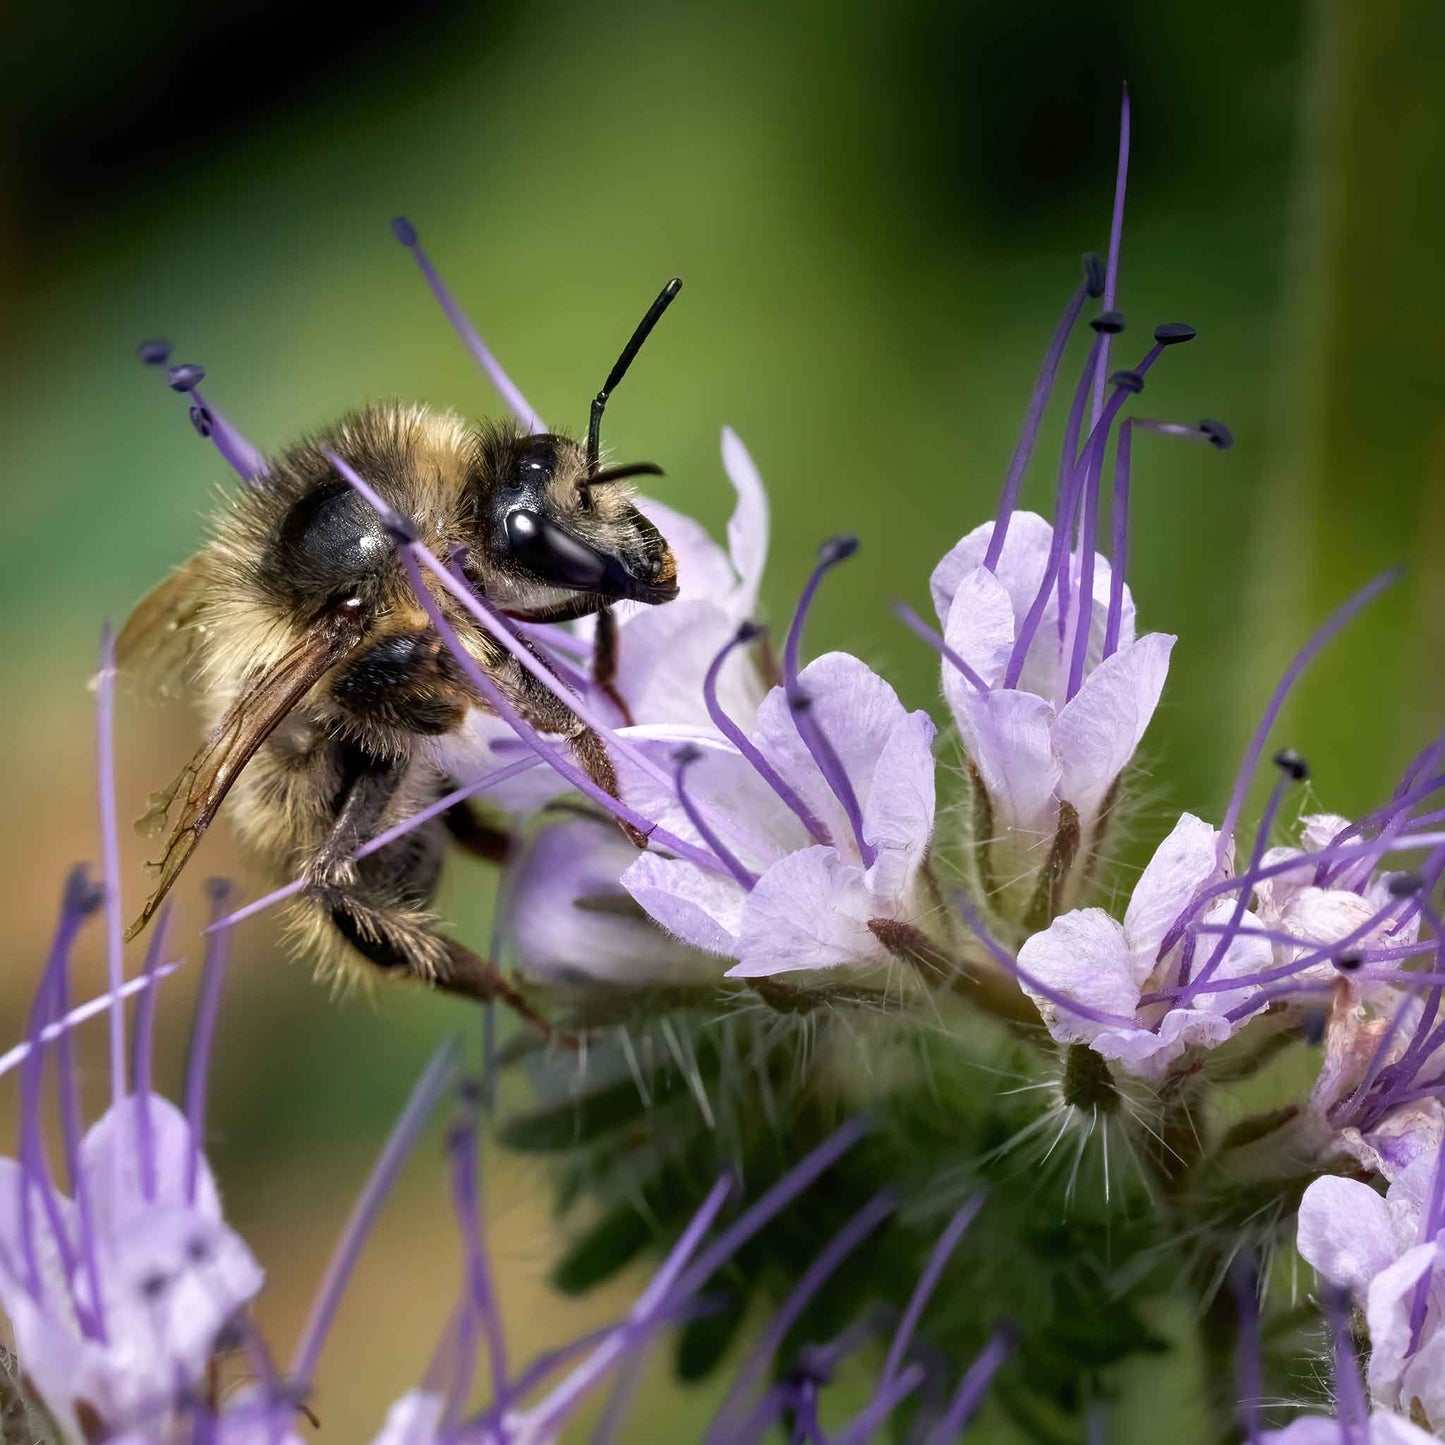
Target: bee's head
point(560, 534)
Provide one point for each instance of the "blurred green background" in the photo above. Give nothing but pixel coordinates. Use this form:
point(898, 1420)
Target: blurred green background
point(878, 210)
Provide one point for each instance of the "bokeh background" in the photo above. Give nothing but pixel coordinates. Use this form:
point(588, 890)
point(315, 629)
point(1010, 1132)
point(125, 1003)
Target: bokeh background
point(878, 210)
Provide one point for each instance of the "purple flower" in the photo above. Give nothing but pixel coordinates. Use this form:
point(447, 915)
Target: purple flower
point(568, 919)
point(1038, 740)
point(1384, 1428)
point(839, 844)
point(1106, 967)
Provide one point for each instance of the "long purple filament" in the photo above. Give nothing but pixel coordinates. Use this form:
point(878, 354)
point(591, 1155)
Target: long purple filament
point(240, 455)
point(1326, 633)
point(832, 553)
point(145, 1025)
point(1245, 1279)
point(1015, 970)
point(110, 860)
point(915, 624)
point(466, 1201)
point(1039, 399)
point(819, 1271)
point(390, 835)
point(745, 745)
point(203, 1033)
point(1116, 238)
point(1354, 1412)
point(1241, 898)
point(830, 765)
point(745, 878)
point(976, 1380)
point(927, 1283)
point(508, 391)
point(403, 1136)
point(1065, 492)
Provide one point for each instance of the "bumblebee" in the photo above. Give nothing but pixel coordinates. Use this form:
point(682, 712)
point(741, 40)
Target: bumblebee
point(335, 708)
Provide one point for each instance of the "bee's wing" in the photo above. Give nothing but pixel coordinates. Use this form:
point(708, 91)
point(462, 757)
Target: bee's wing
point(190, 803)
point(158, 641)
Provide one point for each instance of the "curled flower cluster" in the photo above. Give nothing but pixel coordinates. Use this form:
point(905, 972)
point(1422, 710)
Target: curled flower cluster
point(790, 927)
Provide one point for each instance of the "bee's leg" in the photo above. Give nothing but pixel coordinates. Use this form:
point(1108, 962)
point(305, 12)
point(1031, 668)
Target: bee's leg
point(552, 715)
point(469, 829)
point(379, 905)
point(401, 940)
point(604, 662)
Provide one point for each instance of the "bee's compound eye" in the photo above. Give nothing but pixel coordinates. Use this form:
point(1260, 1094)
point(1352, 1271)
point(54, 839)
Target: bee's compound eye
point(332, 535)
point(551, 554)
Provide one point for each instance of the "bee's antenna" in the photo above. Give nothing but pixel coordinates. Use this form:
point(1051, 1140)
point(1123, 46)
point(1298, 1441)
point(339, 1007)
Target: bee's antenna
point(614, 377)
point(618, 474)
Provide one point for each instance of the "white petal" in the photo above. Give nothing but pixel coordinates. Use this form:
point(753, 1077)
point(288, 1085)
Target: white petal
point(809, 911)
point(1021, 564)
point(1387, 1311)
point(1182, 864)
point(415, 1419)
point(1346, 1232)
point(1149, 1052)
point(1082, 956)
point(569, 918)
point(1318, 830)
point(1009, 738)
point(898, 811)
point(980, 629)
point(748, 525)
point(1099, 729)
point(700, 908)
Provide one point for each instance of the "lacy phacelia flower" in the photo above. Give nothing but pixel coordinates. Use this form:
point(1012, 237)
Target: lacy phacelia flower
point(1389, 1253)
point(828, 807)
point(568, 919)
point(120, 1292)
point(1102, 969)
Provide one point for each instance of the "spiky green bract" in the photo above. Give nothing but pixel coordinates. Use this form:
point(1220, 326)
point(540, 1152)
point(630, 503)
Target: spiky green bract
point(1102, 1195)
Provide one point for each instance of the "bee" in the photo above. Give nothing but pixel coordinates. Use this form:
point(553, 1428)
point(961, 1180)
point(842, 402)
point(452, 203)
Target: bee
point(336, 709)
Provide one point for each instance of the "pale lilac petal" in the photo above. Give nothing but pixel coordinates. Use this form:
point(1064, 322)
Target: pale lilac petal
point(898, 811)
point(748, 525)
point(116, 1192)
point(700, 908)
point(1248, 954)
point(1182, 864)
point(980, 629)
point(664, 654)
point(1319, 830)
point(47, 1255)
point(809, 911)
point(485, 743)
point(1020, 567)
point(745, 812)
point(1346, 1232)
point(1098, 731)
point(1321, 916)
point(1275, 894)
point(568, 917)
point(1009, 738)
point(206, 1276)
point(1149, 1052)
point(415, 1419)
point(704, 572)
point(1083, 956)
point(1387, 1311)
point(1386, 1428)
point(857, 710)
point(1422, 1383)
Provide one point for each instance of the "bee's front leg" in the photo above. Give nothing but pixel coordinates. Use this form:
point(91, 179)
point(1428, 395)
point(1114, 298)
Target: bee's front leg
point(604, 662)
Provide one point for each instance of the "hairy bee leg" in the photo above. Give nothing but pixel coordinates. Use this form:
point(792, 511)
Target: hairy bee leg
point(368, 785)
point(470, 830)
point(398, 940)
point(604, 662)
point(590, 751)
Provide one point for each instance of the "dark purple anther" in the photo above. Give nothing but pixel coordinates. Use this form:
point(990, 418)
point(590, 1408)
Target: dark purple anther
point(1094, 274)
point(1405, 885)
point(155, 352)
point(1292, 765)
point(1130, 381)
point(1109, 323)
point(186, 377)
point(1219, 435)
point(1174, 333)
point(1349, 962)
point(201, 420)
point(403, 230)
point(837, 549)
